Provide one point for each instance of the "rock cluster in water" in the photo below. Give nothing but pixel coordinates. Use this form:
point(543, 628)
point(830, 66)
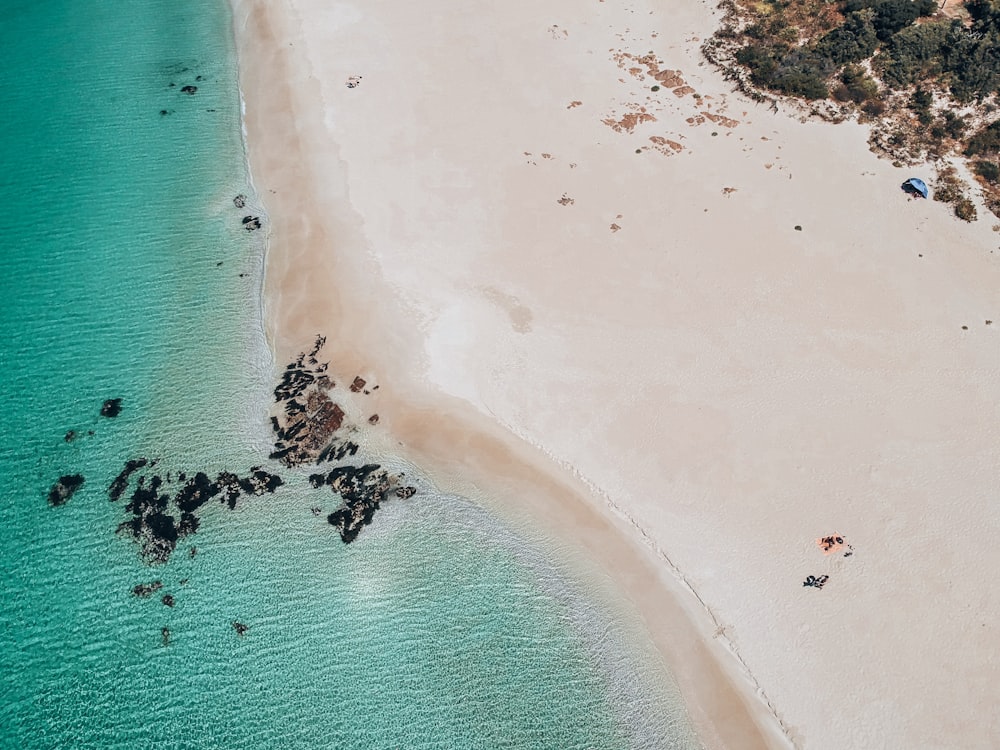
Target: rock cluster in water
point(163, 513)
point(63, 489)
point(306, 430)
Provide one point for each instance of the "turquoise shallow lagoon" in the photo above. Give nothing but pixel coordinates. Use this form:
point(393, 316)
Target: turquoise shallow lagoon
point(127, 274)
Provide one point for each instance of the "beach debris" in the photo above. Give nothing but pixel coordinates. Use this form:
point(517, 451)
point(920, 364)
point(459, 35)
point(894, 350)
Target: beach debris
point(145, 590)
point(816, 581)
point(240, 201)
point(833, 544)
point(373, 419)
point(189, 90)
point(168, 600)
point(63, 490)
point(111, 408)
point(614, 228)
point(165, 636)
point(573, 104)
point(251, 223)
point(566, 200)
point(240, 628)
point(728, 190)
point(798, 227)
point(357, 384)
point(353, 82)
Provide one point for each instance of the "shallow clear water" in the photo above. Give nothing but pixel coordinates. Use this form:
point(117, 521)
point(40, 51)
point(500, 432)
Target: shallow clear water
point(127, 274)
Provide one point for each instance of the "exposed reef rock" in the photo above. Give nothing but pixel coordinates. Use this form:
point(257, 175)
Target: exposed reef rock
point(161, 516)
point(111, 408)
point(63, 489)
point(306, 426)
point(363, 489)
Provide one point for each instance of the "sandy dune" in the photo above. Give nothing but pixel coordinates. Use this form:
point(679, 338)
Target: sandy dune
point(705, 333)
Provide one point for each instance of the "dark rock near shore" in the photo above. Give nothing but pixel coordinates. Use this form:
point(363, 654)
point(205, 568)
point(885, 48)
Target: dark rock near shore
point(362, 488)
point(357, 384)
point(63, 490)
point(306, 429)
point(240, 201)
point(250, 223)
point(111, 408)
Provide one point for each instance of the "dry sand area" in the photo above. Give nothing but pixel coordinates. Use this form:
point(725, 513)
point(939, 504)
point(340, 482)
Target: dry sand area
point(721, 332)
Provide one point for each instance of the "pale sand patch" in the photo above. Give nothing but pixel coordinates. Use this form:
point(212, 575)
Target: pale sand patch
point(718, 387)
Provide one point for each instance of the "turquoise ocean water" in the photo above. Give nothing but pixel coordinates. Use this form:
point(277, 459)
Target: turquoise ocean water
point(126, 274)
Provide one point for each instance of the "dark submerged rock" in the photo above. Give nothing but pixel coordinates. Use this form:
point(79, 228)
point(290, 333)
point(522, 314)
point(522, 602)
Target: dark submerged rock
point(70, 436)
point(111, 408)
point(165, 636)
point(120, 484)
point(189, 90)
point(168, 600)
point(63, 490)
point(240, 628)
point(145, 590)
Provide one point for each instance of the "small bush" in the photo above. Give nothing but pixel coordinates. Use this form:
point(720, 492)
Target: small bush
point(876, 108)
point(965, 209)
point(988, 171)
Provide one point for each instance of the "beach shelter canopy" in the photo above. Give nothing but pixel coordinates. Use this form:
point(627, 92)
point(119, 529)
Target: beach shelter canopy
point(915, 184)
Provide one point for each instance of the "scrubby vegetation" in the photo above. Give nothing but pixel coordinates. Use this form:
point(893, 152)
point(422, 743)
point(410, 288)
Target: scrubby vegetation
point(926, 78)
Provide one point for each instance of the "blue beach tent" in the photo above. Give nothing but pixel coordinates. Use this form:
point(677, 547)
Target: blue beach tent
point(916, 185)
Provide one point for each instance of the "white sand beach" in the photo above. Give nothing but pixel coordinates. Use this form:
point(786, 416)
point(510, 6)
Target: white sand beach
point(691, 332)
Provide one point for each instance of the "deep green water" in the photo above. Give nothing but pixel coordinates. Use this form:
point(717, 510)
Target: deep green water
point(126, 274)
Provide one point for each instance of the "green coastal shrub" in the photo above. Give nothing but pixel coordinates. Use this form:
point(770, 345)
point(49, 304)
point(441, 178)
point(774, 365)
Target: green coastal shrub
point(985, 142)
point(988, 170)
